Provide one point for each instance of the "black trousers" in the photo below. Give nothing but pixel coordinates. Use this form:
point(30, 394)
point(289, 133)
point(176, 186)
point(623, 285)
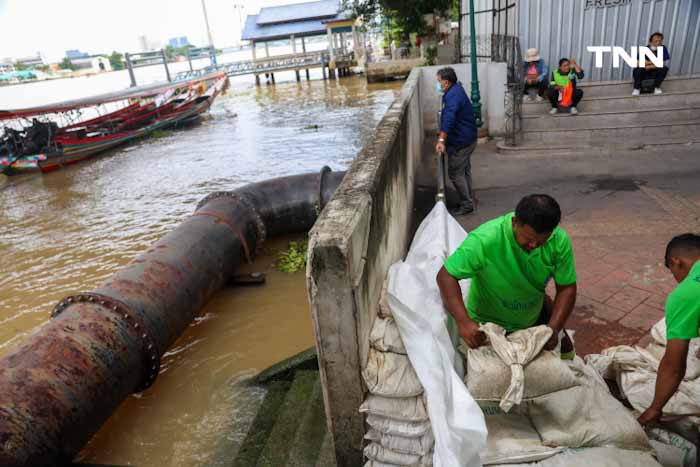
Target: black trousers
point(541, 87)
point(553, 96)
point(641, 74)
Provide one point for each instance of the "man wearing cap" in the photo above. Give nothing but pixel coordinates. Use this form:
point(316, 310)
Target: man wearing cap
point(535, 74)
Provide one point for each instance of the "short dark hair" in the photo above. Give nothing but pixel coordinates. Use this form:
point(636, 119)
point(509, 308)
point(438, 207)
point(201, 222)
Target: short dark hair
point(448, 74)
point(682, 245)
point(562, 60)
point(651, 38)
point(541, 212)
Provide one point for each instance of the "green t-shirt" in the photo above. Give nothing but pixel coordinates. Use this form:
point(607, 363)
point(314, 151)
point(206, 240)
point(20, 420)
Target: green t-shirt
point(508, 283)
point(683, 307)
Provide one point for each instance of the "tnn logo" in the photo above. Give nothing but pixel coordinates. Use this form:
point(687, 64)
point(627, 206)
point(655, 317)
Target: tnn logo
point(637, 57)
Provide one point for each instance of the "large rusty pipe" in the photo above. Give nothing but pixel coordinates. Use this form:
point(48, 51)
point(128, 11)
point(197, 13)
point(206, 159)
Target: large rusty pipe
point(64, 382)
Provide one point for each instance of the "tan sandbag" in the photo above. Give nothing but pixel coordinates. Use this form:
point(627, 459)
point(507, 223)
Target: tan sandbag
point(512, 438)
point(402, 428)
point(595, 457)
point(410, 409)
point(385, 336)
point(391, 375)
point(384, 309)
point(415, 446)
point(514, 367)
point(586, 416)
point(377, 452)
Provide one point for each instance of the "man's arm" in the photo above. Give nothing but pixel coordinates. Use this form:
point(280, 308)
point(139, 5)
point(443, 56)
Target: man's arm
point(448, 118)
point(452, 298)
point(564, 302)
point(669, 377)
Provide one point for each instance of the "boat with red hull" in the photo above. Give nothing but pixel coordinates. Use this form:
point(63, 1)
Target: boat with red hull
point(44, 145)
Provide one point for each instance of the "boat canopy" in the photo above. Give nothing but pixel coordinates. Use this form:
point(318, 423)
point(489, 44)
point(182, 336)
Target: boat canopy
point(137, 92)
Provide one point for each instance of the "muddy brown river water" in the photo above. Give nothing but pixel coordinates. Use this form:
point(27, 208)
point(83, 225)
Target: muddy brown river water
point(68, 231)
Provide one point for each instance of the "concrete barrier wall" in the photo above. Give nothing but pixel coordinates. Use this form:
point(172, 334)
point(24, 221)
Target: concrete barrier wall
point(492, 87)
point(362, 231)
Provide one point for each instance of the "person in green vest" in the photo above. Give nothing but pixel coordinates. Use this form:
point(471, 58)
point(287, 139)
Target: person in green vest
point(682, 321)
point(563, 83)
point(510, 260)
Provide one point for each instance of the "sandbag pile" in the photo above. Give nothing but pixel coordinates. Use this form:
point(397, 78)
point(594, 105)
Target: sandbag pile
point(399, 432)
point(634, 369)
point(537, 405)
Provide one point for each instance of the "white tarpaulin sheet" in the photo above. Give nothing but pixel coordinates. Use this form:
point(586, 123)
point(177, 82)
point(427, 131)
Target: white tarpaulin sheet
point(457, 421)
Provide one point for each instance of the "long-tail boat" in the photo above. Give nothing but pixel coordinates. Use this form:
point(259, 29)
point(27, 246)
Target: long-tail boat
point(34, 140)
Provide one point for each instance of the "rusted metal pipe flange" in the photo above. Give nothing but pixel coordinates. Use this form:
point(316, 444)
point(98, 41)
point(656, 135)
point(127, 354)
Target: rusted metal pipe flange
point(121, 310)
point(259, 223)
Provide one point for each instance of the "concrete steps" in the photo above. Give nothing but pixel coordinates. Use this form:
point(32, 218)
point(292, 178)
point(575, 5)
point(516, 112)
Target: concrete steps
point(623, 118)
point(633, 135)
point(628, 102)
point(290, 428)
point(622, 88)
point(610, 119)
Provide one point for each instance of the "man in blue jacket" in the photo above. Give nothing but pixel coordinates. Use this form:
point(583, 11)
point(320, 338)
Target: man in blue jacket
point(457, 136)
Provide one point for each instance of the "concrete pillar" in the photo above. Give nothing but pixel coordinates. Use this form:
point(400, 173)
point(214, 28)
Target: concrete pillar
point(303, 45)
point(253, 49)
point(267, 50)
point(307, 75)
point(272, 76)
point(331, 45)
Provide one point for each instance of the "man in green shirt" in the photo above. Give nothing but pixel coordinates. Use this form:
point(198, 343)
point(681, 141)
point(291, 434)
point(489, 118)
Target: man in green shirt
point(509, 260)
point(682, 320)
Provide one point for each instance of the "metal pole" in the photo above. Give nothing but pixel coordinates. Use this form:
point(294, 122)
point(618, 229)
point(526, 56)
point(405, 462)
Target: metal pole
point(165, 64)
point(440, 196)
point(189, 58)
point(130, 67)
point(206, 21)
point(476, 96)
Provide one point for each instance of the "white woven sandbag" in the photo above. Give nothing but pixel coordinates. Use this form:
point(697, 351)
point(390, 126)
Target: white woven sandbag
point(595, 457)
point(655, 352)
point(390, 375)
point(416, 446)
point(393, 427)
point(410, 409)
point(377, 452)
point(672, 450)
point(512, 438)
point(514, 367)
point(385, 336)
point(586, 416)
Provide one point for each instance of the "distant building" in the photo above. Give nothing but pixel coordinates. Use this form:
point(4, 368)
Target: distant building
point(6, 66)
point(95, 63)
point(178, 42)
point(33, 61)
point(75, 53)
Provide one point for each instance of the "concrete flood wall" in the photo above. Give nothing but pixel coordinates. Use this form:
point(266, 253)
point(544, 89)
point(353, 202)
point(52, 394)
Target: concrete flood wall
point(364, 229)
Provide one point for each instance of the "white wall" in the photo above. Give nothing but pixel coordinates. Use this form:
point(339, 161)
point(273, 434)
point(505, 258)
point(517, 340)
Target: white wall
point(492, 87)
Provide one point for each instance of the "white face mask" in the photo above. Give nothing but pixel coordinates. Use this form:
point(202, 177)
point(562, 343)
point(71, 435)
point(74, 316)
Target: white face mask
point(653, 48)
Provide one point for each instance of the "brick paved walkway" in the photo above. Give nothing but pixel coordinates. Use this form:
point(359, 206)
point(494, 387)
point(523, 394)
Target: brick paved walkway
point(619, 231)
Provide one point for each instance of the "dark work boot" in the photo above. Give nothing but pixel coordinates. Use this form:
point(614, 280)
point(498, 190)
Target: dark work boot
point(463, 209)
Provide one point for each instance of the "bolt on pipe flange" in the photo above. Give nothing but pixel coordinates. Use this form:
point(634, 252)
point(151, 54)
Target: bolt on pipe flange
point(122, 311)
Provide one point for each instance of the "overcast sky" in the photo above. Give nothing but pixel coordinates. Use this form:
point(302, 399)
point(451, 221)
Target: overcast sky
point(100, 26)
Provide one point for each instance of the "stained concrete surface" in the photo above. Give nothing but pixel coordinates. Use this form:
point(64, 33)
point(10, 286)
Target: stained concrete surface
point(620, 213)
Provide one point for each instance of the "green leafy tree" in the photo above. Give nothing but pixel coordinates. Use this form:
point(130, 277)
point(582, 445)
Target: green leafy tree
point(19, 66)
point(66, 64)
point(116, 60)
point(406, 16)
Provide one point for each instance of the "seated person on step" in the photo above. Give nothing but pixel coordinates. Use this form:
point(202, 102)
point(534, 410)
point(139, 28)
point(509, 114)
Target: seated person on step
point(563, 91)
point(682, 321)
point(650, 71)
point(509, 260)
point(535, 74)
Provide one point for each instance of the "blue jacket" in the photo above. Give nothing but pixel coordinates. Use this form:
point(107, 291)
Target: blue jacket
point(541, 69)
point(457, 119)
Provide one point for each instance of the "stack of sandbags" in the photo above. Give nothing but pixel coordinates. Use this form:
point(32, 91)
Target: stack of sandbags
point(536, 404)
point(399, 428)
point(635, 368)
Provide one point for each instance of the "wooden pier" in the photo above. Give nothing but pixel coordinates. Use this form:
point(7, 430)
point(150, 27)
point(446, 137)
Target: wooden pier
point(342, 61)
